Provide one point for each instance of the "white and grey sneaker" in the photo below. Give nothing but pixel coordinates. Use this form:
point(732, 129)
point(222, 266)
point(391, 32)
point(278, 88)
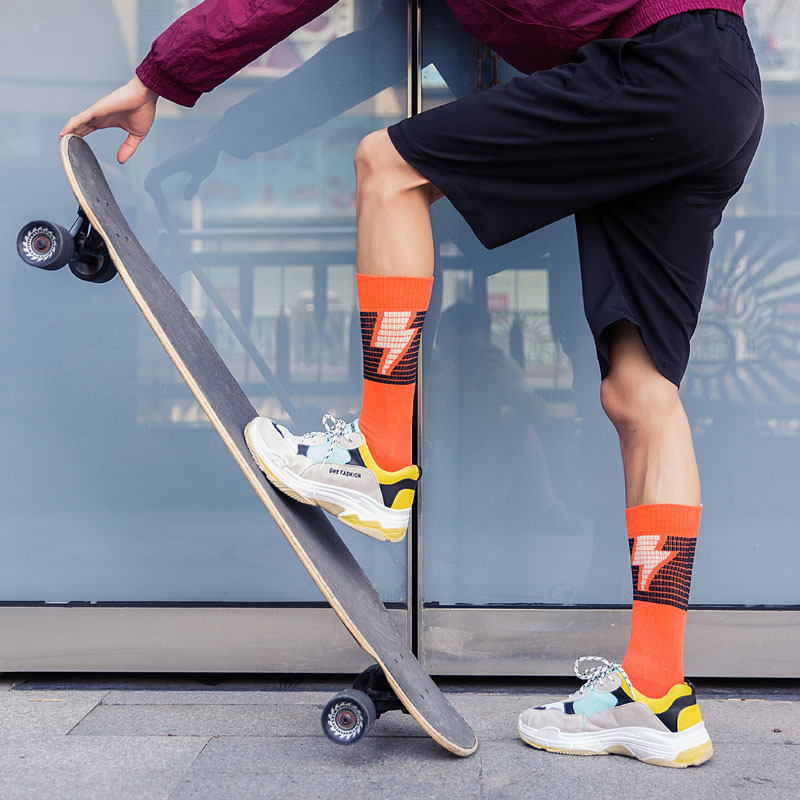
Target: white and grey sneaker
point(607, 715)
point(334, 469)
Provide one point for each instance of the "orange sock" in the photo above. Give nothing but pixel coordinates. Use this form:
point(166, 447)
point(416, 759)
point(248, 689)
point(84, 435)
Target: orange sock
point(392, 312)
point(662, 539)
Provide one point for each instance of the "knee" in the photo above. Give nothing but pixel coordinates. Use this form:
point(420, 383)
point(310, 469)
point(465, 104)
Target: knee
point(381, 172)
point(371, 154)
point(636, 400)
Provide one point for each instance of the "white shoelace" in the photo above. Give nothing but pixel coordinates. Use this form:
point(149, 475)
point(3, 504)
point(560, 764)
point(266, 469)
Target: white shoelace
point(334, 428)
point(594, 675)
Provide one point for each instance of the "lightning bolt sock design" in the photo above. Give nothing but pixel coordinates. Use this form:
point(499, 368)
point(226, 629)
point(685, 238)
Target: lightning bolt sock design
point(392, 313)
point(662, 540)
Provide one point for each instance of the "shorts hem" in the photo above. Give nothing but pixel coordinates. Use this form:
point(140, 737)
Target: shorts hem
point(670, 369)
point(448, 184)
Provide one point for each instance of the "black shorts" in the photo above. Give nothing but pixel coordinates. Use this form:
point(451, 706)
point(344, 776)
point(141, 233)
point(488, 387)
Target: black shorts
point(645, 140)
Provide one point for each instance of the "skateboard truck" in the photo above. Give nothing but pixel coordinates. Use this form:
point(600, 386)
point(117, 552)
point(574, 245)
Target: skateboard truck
point(349, 715)
point(49, 246)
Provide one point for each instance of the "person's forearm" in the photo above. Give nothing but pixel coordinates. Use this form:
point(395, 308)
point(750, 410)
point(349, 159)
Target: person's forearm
point(216, 39)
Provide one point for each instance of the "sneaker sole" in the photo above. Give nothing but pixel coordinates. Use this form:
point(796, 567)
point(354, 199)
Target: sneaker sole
point(687, 748)
point(351, 508)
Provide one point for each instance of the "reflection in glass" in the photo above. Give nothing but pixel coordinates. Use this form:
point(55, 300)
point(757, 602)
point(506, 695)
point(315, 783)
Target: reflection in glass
point(115, 487)
point(523, 495)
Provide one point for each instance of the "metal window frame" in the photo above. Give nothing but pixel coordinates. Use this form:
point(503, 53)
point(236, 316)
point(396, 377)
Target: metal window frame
point(729, 643)
point(174, 638)
point(456, 641)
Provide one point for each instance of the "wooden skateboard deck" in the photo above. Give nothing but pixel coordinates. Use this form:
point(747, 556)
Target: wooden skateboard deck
point(309, 532)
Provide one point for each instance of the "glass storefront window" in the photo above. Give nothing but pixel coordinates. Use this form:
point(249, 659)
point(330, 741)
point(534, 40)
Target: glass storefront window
point(115, 488)
point(524, 498)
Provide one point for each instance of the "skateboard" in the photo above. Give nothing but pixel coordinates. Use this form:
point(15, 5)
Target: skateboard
point(101, 244)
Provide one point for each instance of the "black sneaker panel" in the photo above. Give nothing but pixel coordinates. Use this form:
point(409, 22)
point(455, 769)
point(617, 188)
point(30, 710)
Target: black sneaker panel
point(355, 458)
point(670, 716)
point(621, 696)
point(391, 490)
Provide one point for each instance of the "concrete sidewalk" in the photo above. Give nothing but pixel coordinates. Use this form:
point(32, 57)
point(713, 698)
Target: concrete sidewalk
point(230, 737)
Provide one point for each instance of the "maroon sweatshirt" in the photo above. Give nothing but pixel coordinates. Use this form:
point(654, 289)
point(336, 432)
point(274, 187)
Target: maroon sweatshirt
point(217, 38)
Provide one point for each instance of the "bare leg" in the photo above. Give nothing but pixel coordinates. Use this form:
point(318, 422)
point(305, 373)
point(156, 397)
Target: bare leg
point(662, 490)
point(655, 437)
point(394, 258)
point(393, 210)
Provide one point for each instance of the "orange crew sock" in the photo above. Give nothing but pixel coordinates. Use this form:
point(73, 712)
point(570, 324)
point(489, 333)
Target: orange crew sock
point(662, 540)
point(392, 313)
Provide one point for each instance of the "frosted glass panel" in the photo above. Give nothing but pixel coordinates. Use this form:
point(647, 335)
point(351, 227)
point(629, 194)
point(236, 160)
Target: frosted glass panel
point(523, 497)
point(114, 485)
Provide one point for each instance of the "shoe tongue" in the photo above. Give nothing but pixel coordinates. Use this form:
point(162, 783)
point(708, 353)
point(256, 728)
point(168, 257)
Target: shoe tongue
point(353, 427)
point(603, 684)
point(611, 679)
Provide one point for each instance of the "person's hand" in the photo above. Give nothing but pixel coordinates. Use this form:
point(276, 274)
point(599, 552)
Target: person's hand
point(132, 107)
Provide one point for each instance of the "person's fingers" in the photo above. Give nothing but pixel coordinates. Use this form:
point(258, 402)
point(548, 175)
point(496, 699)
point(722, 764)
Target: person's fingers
point(81, 124)
point(132, 108)
point(128, 148)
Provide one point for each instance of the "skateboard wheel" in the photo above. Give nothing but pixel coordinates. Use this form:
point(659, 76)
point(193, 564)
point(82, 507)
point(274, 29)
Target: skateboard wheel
point(45, 245)
point(348, 716)
point(93, 268)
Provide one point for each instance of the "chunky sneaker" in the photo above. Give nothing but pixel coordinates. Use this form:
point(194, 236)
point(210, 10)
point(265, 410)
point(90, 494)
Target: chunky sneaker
point(606, 715)
point(334, 469)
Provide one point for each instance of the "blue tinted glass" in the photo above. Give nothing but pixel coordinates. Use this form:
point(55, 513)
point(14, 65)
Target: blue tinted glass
point(524, 496)
point(115, 487)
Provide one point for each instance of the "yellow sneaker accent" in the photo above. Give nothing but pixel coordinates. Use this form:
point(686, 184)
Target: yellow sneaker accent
point(688, 717)
point(404, 499)
point(658, 705)
point(695, 755)
point(373, 529)
point(384, 476)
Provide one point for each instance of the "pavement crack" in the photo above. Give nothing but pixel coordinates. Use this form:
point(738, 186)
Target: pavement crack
point(95, 706)
point(188, 769)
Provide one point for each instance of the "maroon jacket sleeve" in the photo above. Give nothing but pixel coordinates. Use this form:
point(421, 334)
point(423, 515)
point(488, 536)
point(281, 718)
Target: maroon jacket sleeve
point(216, 39)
